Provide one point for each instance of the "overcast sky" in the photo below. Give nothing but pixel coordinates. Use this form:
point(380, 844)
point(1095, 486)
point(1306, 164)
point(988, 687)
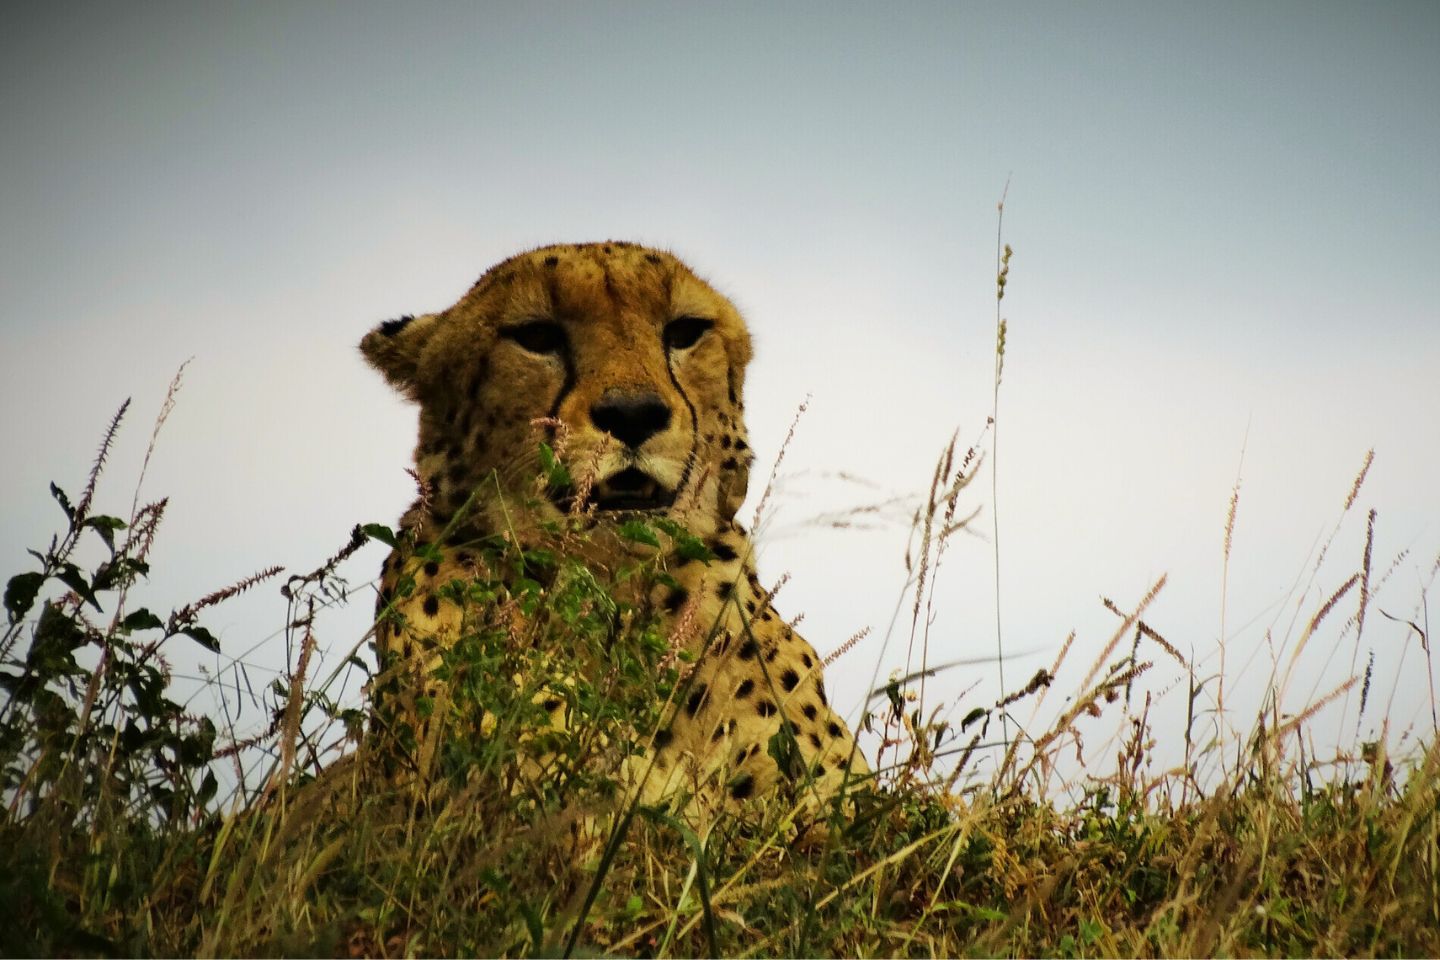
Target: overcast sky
point(1226, 222)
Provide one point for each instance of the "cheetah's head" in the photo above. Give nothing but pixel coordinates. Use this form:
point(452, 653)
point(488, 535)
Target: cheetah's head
point(616, 355)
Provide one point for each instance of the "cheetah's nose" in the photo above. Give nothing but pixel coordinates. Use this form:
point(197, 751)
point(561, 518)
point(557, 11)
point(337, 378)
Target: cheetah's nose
point(632, 417)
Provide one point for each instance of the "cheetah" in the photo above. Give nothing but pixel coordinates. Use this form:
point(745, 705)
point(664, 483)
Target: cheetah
point(638, 365)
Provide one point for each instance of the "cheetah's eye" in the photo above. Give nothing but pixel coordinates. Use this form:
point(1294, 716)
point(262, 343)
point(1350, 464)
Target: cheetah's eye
point(537, 336)
point(684, 332)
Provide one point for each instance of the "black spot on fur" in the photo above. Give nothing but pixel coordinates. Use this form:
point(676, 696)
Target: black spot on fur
point(551, 705)
point(726, 442)
point(479, 375)
point(833, 729)
point(741, 445)
point(820, 689)
point(677, 599)
point(432, 605)
point(725, 589)
point(814, 741)
point(766, 708)
point(391, 327)
point(810, 711)
point(743, 787)
point(789, 679)
point(748, 650)
point(663, 738)
point(432, 568)
point(552, 261)
point(743, 691)
point(722, 550)
point(730, 464)
point(805, 659)
point(652, 258)
point(697, 696)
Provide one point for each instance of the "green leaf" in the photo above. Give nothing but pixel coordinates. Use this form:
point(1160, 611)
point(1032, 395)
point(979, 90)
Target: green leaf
point(692, 548)
point(20, 594)
point(687, 545)
point(378, 531)
point(638, 531)
point(63, 500)
point(141, 619)
point(494, 881)
point(70, 576)
point(555, 472)
point(972, 716)
point(533, 925)
point(897, 702)
point(539, 559)
point(120, 571)
point(786, 753)
point(203, 637)
point(57, 636)
point(106, 527)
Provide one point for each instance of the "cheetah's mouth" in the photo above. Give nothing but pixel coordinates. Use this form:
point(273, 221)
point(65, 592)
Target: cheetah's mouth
point(631, 489)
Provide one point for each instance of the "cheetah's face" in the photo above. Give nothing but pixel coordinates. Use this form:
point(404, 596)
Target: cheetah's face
point(616, 355)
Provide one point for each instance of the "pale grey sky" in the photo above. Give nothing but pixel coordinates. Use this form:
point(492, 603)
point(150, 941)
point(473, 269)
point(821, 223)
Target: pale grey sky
point(1226, 217)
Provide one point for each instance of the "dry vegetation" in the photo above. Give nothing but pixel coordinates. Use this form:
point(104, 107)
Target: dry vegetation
point(119, 839)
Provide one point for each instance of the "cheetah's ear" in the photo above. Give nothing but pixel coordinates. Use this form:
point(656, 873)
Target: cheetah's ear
point(394, 348)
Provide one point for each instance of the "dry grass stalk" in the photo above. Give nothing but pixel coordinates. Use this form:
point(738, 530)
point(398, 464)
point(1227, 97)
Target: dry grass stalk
point(87, 496)
point(775, 468)
point(1123, 630)
point(1359, 479)
point(167, 406)
point(845, 647)
point(187, 614)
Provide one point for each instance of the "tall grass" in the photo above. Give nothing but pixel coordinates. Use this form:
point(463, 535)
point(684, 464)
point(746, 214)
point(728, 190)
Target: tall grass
point(131, 826)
